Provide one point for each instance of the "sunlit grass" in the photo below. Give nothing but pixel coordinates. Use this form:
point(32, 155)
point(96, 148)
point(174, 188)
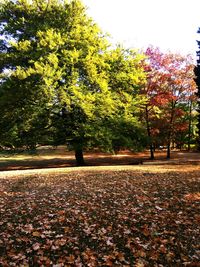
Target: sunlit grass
point(186, 169)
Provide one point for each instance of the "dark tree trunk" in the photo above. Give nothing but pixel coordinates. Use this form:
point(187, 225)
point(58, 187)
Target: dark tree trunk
point(151, 147)
point(79, 157)
point(168, 151)
point(190, 125)
point(171, 130)
point(152, 151)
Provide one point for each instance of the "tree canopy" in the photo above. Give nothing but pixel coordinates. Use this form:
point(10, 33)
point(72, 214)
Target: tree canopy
point(170, 91)
point(62, 82)
point(60, 78)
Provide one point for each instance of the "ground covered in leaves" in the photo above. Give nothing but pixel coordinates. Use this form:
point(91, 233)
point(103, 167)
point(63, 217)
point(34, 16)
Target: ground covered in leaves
point(134, 216)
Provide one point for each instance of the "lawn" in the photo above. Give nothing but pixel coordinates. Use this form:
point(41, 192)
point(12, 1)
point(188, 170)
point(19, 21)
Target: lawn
point(101, 216)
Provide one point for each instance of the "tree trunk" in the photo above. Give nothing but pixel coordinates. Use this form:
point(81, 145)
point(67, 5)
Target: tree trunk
point(152, 151)
point(170, 132)
point(151, 147)
point(79, 157)
point(168, 151)
point(190, 125)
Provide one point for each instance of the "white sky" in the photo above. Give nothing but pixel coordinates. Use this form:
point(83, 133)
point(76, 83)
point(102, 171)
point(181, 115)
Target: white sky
point(168, 24)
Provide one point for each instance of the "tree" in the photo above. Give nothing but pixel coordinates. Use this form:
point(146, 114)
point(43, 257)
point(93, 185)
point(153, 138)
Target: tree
point(185, 127)
point(56, 64)
point(156, 93)
point(169, 88)
point(181, 90)
point(126, 77)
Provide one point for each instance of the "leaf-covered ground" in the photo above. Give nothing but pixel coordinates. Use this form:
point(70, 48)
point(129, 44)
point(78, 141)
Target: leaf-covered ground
point(134, 216)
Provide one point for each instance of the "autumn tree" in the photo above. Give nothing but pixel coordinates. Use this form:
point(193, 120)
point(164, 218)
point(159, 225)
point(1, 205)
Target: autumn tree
point(170, 87)
point(155, 97)
point(56, 78)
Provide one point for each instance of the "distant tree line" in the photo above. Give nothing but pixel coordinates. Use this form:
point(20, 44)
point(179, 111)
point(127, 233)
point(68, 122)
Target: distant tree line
point(62, 82)
point(197, 80)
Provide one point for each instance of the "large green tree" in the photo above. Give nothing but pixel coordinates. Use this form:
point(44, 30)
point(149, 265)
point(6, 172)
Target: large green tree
point(57, 77)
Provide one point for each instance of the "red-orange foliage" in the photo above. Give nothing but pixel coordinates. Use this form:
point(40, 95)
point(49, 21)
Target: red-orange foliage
point(170, 89)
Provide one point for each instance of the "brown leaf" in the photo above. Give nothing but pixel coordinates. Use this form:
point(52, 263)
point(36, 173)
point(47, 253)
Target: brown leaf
point(70, 259)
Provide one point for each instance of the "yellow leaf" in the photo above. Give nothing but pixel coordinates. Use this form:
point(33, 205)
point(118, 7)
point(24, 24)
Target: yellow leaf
point(36, 233)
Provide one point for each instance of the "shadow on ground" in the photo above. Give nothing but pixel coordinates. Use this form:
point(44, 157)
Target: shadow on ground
point(66, 159)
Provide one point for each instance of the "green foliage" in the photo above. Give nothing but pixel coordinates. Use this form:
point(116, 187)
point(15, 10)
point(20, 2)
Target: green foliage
point(61, 82)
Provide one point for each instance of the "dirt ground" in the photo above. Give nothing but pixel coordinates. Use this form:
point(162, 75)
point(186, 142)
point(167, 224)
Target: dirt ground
point(60, 158)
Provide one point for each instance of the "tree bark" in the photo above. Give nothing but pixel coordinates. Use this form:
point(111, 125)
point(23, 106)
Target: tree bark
point(151, 147)
point(151, 151)
point(170, 130)
point(79, 157)
point(168, 151)
point(190, 125)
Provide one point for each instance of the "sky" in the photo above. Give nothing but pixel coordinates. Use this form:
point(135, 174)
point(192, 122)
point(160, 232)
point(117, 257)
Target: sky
point(169, 24)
